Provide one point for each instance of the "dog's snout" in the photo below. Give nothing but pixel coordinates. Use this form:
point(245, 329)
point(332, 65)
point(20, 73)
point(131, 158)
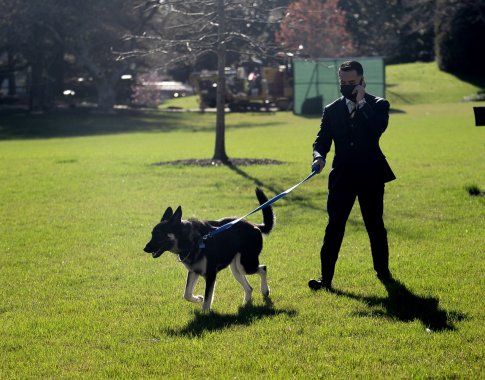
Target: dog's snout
point(147, 249)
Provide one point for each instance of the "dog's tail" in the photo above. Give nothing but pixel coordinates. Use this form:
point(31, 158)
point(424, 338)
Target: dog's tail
point(268, 215)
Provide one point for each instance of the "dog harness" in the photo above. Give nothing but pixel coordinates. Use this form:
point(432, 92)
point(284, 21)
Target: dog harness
point(264, 205)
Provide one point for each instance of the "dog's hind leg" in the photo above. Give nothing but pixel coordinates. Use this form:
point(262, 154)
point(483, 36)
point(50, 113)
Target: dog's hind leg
point(192, 279)
point(262, 271)
point(241, 278)
point(210, 284)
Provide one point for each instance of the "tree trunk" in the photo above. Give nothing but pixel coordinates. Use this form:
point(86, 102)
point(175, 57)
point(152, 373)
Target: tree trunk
point(56, 69)
point(220, 149)
point(37, 87)
point(12, 86)
point(106, 95)
point(105, 82)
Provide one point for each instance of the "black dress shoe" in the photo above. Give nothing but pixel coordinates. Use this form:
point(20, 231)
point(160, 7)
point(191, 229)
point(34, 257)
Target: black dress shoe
point(319, 284)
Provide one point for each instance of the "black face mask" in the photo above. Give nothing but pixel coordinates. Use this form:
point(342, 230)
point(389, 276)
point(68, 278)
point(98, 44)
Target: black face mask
point(346, 91)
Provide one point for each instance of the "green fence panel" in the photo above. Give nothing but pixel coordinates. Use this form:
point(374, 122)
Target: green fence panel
point(316, 82)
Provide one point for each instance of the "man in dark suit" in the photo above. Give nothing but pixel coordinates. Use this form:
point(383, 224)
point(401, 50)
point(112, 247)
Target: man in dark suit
point(354, 123)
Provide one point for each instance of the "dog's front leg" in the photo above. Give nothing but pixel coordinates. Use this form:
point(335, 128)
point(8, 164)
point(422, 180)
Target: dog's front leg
point(210, 284)
point(192, 279)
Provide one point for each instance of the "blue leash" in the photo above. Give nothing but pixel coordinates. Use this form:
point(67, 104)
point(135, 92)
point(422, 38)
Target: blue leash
point(264, 205)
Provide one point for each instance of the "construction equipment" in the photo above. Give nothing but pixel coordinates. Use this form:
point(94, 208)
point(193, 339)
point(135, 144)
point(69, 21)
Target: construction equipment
point(249, 87)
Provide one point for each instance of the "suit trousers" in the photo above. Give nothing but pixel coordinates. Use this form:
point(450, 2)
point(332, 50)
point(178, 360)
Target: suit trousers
point(339, 205)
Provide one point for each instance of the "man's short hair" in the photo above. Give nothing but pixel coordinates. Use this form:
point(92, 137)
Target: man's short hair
point(352, 65)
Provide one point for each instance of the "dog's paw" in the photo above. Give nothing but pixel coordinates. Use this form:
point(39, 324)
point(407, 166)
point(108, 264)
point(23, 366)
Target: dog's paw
point(248, 302)
point(195, 299)
point(206, 308)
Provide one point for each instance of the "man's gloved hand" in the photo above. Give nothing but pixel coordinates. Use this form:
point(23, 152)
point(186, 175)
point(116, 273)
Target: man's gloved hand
point(318, 165)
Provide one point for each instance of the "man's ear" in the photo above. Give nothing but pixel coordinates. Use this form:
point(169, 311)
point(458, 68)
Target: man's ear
point(177, 215)
point(167, 214)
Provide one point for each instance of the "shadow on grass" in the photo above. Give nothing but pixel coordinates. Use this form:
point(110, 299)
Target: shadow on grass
point(405, 306)
point(252, 125)
point(475, 80)
point(403, 99)
point(16, 125)
point(256, 181)
point(247, 315)
point(84, 122)
point(396, 110)
point(275, 190)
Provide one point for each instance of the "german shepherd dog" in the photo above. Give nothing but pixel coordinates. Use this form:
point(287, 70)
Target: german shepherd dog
point(238, 247)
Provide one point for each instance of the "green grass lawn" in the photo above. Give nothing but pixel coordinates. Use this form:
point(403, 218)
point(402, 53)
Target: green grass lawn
point(418, 83)
point(409, 83)
point(80, 299)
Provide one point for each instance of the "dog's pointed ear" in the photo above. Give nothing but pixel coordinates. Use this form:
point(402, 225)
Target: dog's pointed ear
point(177, 215)
point(167, 214)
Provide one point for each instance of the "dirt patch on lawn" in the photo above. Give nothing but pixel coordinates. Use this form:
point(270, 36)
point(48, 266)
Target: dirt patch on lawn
point(231, 162)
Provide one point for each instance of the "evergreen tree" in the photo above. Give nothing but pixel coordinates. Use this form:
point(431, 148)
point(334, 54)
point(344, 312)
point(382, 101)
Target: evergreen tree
point(459, 28)
point(398, 30)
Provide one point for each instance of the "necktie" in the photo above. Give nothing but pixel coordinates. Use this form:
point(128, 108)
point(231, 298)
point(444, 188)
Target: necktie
point(352, 110)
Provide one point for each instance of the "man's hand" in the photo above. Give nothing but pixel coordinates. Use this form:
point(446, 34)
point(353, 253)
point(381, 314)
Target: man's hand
point(318, 165)
point(359, 91)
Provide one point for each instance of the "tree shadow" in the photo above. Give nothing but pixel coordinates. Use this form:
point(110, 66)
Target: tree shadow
point(403, 305)
point(213, 321)
point(402, 98)
point(85, 122)
point(252, 125)
point(275, 190)
point(256, 181)
point(475, 80)
point(77, 122)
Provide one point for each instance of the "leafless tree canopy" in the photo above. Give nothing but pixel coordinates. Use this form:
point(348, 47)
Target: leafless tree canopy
point(183, 31)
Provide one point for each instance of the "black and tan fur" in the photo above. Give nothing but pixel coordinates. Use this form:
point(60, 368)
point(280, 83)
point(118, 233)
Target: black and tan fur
point(238, 247)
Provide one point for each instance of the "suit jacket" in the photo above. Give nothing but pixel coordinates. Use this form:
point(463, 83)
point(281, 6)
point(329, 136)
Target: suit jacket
point(358, 158)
